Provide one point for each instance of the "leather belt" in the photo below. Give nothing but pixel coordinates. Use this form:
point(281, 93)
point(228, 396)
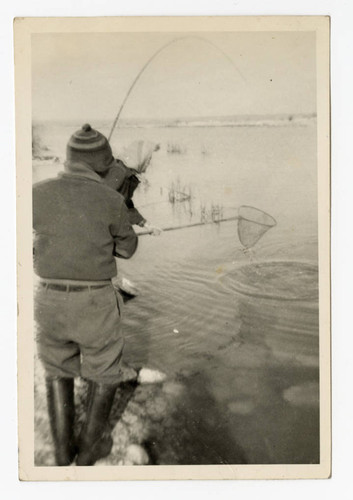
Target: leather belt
point(71, 288)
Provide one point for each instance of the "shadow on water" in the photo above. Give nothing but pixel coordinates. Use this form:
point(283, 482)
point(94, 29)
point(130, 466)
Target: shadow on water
point(137, 343)
point(195, 431)
point(276, 385)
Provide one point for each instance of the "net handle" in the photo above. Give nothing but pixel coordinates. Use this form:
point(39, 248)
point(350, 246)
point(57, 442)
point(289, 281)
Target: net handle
point(175, 228)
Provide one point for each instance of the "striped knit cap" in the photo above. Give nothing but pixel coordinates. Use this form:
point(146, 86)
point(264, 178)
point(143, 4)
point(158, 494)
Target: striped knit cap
point(90, 146)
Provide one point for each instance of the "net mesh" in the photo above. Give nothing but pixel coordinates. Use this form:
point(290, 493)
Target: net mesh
point(252, 225)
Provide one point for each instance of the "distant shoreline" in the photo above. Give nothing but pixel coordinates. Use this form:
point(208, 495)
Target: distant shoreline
point(217, 121)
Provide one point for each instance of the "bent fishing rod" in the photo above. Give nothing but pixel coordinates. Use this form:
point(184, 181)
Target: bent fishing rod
point(161, 49)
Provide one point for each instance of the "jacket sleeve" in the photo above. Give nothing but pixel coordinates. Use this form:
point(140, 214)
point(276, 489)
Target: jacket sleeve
point(123, 180)
point(134, 215)
point(125, 238)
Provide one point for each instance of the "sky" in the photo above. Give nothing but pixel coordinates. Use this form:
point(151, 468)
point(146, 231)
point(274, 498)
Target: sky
point(87, 75)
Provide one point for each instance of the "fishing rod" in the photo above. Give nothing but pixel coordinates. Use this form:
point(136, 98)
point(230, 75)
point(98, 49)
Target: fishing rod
point(161, 49)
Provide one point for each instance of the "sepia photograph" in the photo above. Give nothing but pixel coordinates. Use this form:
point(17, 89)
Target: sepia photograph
point(174, 287)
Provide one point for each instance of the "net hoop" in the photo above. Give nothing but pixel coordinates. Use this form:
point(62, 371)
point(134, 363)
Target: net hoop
point(253, 223)
point(270, 221)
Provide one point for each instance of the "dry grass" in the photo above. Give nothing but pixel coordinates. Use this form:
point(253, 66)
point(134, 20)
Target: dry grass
point(175, 148)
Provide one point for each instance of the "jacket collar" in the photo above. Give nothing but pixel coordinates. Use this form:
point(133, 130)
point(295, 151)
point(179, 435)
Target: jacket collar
point(80, 169)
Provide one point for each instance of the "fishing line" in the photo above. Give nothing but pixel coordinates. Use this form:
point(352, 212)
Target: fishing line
point(161, 49)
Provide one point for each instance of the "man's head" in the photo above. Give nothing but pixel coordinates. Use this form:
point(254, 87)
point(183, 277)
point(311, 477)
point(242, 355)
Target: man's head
point(91, 147)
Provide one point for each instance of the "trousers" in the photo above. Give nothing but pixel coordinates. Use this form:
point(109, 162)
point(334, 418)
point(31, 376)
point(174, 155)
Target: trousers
point(79, 331)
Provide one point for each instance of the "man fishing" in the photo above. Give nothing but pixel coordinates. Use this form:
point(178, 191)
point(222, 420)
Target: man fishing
point(80, 225)
point(124, 176)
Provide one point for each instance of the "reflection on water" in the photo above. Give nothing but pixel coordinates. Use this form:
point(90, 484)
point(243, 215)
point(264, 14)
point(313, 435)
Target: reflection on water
point(275, 280)
point(239, 330)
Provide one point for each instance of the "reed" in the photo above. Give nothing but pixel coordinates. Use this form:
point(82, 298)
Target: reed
point(175, 148)
point(178, 192)
point(212, 214)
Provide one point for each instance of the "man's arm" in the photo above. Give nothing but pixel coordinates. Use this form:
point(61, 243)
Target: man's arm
point(125, 238)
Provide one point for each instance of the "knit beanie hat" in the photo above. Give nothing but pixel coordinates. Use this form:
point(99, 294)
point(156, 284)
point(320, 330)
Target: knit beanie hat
point(91, 147)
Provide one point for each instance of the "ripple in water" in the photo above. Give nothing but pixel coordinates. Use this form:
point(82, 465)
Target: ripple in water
point(275, 280)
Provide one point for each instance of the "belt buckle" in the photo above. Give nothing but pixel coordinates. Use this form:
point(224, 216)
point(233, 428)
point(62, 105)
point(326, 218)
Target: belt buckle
point(76, 288)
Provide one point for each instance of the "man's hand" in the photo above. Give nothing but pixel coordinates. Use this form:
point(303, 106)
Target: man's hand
point(154, 230)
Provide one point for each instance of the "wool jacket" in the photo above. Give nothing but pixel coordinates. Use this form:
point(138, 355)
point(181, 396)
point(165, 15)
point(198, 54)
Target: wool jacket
point(79, 226)
point(124, 180)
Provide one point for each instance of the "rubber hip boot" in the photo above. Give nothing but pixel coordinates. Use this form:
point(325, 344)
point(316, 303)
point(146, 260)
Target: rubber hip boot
point(95, 440)
point(61, 409)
